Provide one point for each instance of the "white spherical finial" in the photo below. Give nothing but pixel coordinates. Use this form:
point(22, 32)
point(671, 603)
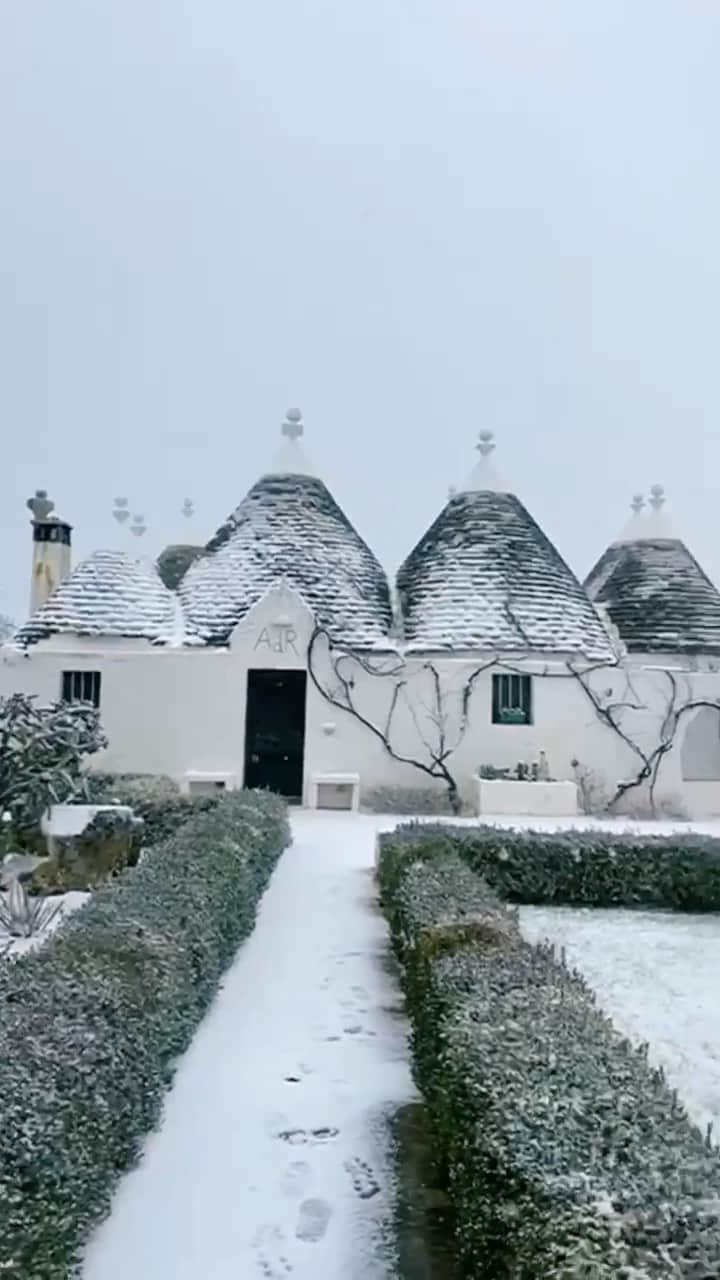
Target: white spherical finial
point(486, 443)
point(657, 497)
point(452, 492)
point(637, 503)
point(293, 427)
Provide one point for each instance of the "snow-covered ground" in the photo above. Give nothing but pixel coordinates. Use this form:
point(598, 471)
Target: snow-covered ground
point(710, 827)
point(273, 1157)
point(10, 948)
point(656, 975)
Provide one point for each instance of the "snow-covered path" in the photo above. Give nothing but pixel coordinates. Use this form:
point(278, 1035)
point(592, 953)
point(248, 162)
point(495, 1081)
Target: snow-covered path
point(273, 1157)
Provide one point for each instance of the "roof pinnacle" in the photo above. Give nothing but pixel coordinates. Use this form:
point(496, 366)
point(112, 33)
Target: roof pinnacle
point(40, 505)
point(637, 503)
point(657, 497)
point(484, 478)
point(486, 443)
point(293, 426)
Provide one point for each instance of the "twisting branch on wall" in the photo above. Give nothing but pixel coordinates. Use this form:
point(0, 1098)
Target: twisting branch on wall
point(437, 738)
point(673, 712)
point(440, 720)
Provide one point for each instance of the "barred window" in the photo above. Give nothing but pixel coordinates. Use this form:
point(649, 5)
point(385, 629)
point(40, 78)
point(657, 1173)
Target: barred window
point(81, 686)
point(511, 699)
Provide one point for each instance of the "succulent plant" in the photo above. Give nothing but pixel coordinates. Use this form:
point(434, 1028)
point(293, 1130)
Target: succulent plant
point(23, 917)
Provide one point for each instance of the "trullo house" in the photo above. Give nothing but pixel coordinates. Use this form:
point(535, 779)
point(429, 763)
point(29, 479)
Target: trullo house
point(280, 655)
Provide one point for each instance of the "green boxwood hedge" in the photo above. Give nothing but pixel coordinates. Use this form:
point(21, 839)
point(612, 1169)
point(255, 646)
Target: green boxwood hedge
point(678, 872)
point(93, 1023)
point(566, 1154)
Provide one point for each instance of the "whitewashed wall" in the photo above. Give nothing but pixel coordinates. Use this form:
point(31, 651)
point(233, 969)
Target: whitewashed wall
point(179, 711)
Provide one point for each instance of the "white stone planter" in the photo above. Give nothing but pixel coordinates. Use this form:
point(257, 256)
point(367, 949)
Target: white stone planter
point(62, 821)
point(533, 799)
point(339, 791)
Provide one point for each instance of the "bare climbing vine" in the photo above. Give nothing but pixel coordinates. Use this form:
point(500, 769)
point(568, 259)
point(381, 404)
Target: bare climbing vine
point(441, 718)
point(678, 704)
point(439, 735)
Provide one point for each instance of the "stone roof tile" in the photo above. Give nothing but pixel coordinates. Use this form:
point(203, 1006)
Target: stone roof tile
point(289, 528)
point(657, 596)
point(485, 577)
point(109, 594)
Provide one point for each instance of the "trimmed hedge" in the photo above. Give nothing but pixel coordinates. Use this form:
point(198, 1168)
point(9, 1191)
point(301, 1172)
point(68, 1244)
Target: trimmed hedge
point(679, 872)
point(566, 1155)
point(93, 1023)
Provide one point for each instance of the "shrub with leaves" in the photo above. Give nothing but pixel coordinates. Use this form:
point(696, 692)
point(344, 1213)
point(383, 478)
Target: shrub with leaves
point(155, 798)
point(93, 1023)
point(42, 753)
point(566, 1155)
point(679, 872)
point(111, 841)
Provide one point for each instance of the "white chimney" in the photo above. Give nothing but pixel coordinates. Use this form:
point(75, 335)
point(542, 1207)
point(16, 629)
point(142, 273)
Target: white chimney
point(51, 549)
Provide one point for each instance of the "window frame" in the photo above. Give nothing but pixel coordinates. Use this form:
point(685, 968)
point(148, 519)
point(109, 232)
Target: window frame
point(512, 692)
point(81, 686)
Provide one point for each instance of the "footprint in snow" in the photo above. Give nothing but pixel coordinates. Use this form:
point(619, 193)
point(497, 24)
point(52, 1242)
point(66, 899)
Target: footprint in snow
point(365, 1184)
point(313, 1220)
point(325, 1134)
point(296, 1137)
point(296, 1178)
point(301, 1137)
point(272, 1263)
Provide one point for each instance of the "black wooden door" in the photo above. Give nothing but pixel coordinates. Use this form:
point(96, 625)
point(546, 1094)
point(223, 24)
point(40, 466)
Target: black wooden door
point(275, 731)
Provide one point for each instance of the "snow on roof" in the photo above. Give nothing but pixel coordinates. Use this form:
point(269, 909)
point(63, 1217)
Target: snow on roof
point(289, 527)
point(486, 577)
point(654, 590)
point(109, 594)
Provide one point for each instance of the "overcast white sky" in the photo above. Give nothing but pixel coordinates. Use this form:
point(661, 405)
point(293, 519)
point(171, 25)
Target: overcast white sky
point(413, 218)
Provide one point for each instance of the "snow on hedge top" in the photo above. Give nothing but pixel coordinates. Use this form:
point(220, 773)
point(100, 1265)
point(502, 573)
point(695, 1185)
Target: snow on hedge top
point(110, 594)
point(653, 588)
point(485, 577)
point(289, 527)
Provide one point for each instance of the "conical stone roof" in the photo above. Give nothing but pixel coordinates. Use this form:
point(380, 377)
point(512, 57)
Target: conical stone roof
point(486, 578)
point(289, 528)
point(109, 594)
point(654, 590)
